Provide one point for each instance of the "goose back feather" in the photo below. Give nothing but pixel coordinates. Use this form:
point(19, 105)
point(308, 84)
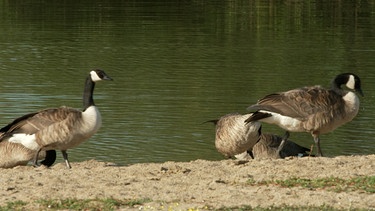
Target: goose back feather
point(233, 136)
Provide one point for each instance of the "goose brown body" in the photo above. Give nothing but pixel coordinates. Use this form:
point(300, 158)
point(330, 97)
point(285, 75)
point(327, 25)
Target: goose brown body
point(311, 109)
point(233, 136)
point(56, 128)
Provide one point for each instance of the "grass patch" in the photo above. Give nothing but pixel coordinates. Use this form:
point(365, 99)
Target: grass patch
point(283, 208)
point(64, 203)
point(114, 204)
point(15, 205)
point(89, 204)
point(132, 203)
point(335, 184)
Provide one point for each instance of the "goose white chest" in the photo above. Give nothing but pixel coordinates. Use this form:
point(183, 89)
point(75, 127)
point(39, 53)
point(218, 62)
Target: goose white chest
point(91, 121)
point(351, 105)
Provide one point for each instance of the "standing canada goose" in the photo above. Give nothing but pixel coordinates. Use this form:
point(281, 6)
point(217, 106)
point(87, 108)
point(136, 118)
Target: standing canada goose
point(58, 128)
point(13, 154)
point(233, 136)
point(311, 109)
point(269, 147)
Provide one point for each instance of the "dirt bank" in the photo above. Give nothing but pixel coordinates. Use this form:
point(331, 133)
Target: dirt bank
point(197, 184)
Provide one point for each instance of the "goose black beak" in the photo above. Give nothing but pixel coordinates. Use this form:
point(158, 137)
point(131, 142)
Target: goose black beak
point(107, 78)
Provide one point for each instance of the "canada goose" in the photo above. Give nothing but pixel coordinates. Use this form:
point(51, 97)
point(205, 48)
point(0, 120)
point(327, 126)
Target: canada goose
point(311, 109)
point(58, 128)
point(269, 147)
point(13, 154)
point(233, 136)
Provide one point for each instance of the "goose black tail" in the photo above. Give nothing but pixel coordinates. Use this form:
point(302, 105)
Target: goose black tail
point(50, 158)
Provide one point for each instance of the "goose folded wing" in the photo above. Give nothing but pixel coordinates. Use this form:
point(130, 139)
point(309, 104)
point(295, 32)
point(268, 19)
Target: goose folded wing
point(297, 103)
point(33, 122)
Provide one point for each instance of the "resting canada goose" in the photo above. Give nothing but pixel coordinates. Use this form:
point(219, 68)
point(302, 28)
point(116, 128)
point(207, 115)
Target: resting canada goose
point(233, 136)
point(58, 128)
point(269, 147)
point(13, 154)
point(311, 109)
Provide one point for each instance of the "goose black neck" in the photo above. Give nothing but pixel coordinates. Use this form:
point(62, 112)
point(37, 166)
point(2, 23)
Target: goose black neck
point(88, 93)
point(336, 85)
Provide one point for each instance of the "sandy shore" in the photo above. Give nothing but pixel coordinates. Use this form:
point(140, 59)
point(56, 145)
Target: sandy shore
point(197, 184)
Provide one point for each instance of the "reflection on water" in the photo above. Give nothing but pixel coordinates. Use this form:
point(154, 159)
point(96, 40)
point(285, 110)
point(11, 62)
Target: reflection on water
point(178, 64)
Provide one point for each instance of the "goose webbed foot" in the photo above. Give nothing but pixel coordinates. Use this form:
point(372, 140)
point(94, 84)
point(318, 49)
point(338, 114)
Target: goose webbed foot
point(65, 155)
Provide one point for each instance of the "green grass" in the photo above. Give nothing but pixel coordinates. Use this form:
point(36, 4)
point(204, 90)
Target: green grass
point(64, 203)
point(365, 183)
point(114, 204)
point(15, 205)
point(285, 208)
point(75, 204)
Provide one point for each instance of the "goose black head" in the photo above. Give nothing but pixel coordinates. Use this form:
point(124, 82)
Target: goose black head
point(99, 75)
point(350, 80)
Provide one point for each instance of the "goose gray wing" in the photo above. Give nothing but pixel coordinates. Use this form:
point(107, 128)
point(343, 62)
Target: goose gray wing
point(299, 103)
point(33, 122)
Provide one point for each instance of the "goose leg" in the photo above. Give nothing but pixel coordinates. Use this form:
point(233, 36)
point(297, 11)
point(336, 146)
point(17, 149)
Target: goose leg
point(35, 160)
point(65, 155)
point(283, 142)
point(317, 143)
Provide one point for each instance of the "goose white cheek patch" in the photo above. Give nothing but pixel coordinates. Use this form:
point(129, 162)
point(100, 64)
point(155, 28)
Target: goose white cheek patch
point(351, 82)
point(94, 76)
